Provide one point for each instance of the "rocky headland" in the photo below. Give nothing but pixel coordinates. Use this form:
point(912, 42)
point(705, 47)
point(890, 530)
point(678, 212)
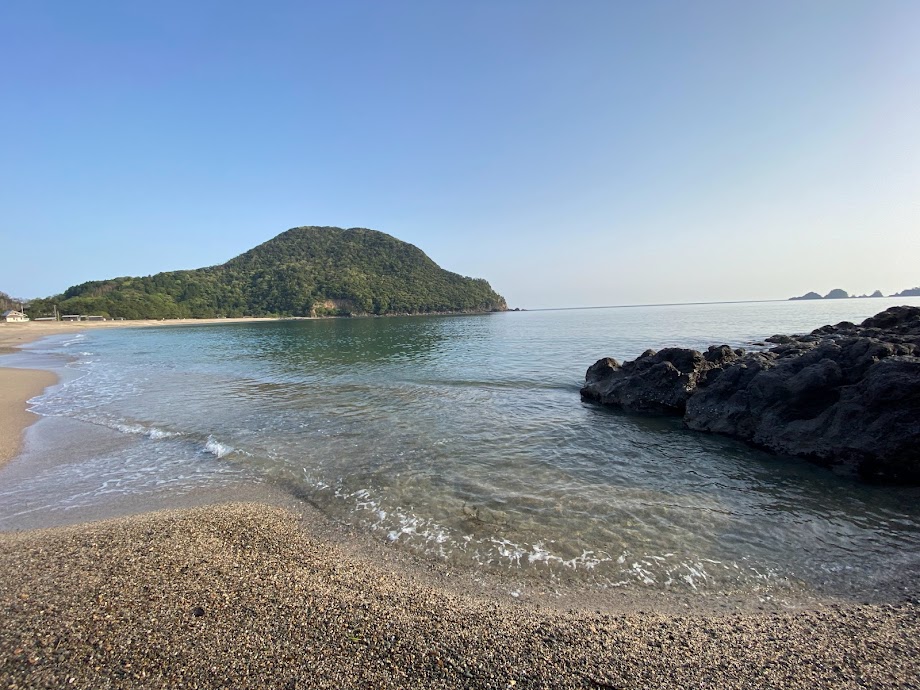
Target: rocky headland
point(846, 395)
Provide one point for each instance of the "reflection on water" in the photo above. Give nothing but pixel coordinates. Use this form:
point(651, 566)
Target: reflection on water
point(464, 438)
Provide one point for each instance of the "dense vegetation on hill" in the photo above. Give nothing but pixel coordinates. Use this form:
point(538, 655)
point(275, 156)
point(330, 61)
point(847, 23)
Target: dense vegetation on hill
point(302, 272)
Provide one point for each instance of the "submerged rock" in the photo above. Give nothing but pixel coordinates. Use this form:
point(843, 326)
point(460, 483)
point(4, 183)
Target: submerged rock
point(841, 395)
point(486, 515)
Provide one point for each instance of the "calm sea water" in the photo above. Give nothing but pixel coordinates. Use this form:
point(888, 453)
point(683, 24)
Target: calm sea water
point(463, 439)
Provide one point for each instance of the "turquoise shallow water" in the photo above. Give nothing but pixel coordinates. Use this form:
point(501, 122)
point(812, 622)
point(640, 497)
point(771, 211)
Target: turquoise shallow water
point(462, 439)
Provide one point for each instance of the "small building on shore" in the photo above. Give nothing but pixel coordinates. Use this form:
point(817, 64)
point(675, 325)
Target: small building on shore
point(12, 316)
point(83, 317)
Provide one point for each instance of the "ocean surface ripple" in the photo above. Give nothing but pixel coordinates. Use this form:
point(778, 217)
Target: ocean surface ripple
point(463, 439)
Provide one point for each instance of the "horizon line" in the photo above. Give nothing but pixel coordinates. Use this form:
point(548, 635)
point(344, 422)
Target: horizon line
point(687, 304)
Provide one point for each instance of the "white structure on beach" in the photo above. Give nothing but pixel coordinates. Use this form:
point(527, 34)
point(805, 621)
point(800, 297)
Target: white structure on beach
point(12, 316)
point(83, 317)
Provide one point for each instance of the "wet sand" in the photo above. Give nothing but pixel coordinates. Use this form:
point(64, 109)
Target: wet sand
point(16, 387)
point(257, 595)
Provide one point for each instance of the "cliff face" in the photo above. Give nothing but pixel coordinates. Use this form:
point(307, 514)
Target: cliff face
point(841, 395)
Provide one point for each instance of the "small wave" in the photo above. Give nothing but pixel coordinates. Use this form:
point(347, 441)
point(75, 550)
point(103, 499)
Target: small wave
point(588, 559)
point(157, 434)
point(216, 448)
point(151, 432)
point(668, 570)
point(129, 428)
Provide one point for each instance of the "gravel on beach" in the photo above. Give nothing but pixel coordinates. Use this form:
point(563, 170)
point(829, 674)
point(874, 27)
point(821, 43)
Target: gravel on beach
point(240, 595)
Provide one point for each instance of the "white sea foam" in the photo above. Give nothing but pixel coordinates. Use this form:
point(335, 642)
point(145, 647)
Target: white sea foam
point(156, 434)
point(216, 448)
point(404, 526)
point(138, 429)
point(74, 340)
point(129, 428)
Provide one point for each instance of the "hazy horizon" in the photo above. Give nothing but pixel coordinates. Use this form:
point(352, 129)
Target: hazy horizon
point(588, 154)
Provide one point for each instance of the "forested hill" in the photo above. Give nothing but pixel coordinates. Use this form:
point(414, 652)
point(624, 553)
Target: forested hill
point(302, 272)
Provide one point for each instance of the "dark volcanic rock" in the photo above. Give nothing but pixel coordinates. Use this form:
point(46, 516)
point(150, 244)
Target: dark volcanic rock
point(656, 382)
point(841, 395)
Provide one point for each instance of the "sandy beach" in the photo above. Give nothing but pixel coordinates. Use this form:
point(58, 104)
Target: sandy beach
point(16, 387)
point(260, 595)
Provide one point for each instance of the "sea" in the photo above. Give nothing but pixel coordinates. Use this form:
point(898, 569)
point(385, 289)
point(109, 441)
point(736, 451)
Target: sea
point(463, 441)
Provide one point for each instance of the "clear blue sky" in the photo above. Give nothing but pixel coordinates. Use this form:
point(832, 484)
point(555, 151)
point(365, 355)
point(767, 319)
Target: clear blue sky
point(572, 153)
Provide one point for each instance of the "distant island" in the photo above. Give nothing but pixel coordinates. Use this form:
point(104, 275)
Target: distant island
point(305, 271)
point(842, 294)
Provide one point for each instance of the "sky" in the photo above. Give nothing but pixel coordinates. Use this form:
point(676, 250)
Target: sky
point(572, 153)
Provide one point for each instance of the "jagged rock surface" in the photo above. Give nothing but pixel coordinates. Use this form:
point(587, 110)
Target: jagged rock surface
point(656, 382)
point(841, 395)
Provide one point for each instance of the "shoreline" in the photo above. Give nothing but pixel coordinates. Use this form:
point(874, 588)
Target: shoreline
point(18, 386)
point(244, 595)
point(271, 594)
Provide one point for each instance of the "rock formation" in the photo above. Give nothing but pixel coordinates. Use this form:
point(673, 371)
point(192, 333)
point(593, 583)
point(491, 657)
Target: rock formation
point(842, 395)
point(837, 293)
